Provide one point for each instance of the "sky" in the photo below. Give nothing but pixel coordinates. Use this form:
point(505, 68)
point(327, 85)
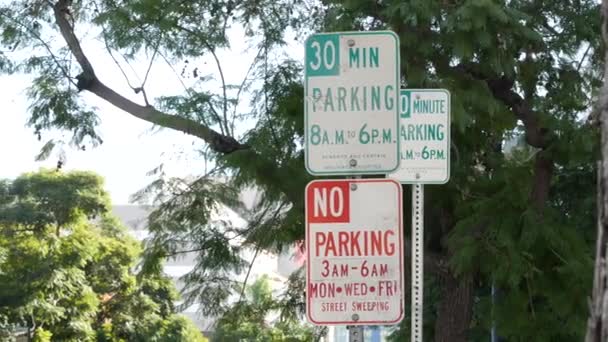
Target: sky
point(131, 147)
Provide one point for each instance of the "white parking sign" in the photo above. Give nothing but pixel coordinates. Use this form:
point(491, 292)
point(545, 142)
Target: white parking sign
point(351, 103)
point(354, 243)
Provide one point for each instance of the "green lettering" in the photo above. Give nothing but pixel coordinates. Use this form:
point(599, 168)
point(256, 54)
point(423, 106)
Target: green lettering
point(430, 132)
point(376, 97)
point(386, 136)
point(425, 106)
point(325, 139)
point(329, 101)
point(341, 99)
point(354, 98)
point(315, 134)
point(353, 56)
point(419, 132)
point(340, 137)
point(417, 108)
point(408, 154)
point(389, 100)
point(374, 57)
point(316, 96)
point(440, 133)
point(410, 132)
point(429, 106)
point(423, 132)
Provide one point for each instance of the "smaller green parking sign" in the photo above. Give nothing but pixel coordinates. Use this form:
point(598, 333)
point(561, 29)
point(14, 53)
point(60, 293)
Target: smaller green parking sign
point(424, 135)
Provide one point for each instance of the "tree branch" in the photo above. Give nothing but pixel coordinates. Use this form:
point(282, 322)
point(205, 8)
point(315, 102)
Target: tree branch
point(124, 74)
point(219, 68)
point(176, 253)
point(244, 286)
point(501, 88)
point(270, 123)
point(87, 80)
point(242, 86)
point(143, 83)
point(535, 135)
point(174, 72)
point(225, 125)
point(550, 28)
point(580, 63)
point(61, 11)
point(64, 71)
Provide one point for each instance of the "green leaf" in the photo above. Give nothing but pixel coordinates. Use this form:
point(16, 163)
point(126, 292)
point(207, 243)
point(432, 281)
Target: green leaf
point(46, 150)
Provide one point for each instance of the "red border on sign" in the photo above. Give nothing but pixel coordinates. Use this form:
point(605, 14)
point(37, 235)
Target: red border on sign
point(400, 240)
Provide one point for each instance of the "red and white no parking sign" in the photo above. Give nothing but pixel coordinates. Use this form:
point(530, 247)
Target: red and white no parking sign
point(354, 243)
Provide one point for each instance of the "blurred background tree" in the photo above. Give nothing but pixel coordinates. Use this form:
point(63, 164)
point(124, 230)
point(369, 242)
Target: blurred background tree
point(67, 267)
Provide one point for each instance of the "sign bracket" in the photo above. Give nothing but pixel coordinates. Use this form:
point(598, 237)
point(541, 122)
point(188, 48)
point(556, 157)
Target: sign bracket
point(417, 261)
point(355, 332)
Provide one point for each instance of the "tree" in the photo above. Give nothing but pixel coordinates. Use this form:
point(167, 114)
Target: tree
point(67, 266)
point(247, 319)
point(518, 220)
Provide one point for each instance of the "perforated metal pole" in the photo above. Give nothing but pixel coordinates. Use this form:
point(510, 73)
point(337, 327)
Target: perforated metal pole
point(417, 260)
point(355, 333)
point(493, 331)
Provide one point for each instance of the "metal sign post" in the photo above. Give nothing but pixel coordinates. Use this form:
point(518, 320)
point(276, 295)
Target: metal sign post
point(417, 260)
point(425, 154)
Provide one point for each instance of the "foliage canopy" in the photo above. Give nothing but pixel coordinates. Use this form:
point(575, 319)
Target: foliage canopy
point(67, 267)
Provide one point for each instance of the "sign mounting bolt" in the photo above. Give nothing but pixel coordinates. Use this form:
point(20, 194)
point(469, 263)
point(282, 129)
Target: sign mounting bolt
point(353, 163)
point(351, 42)
point(353, 186)
point(417, 176)
point(355, 317)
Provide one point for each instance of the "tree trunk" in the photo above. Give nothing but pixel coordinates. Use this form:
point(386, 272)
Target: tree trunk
point(597, 325)
point(454, 309)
